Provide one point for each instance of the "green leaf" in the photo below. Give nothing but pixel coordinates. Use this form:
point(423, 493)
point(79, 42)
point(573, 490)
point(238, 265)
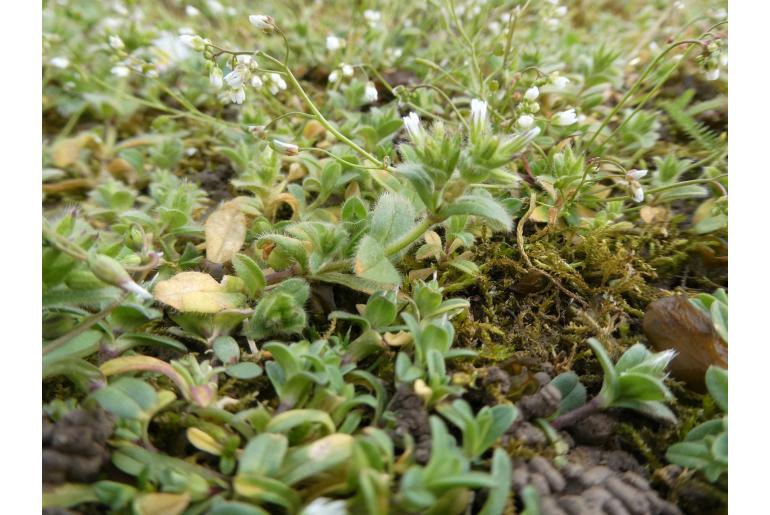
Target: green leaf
point(80, 346)
point(263, 455)
point(482, 206)
point(719, 318)
point(501, 472)
point(716, 382)
point(573, 393)
point(709, 428)
point(235, 508)
point(354, 210)
point(227, 350)
point(288, 420)
point(371, 263)
point(250, 273)
point(244, 370)
point(610, 384)
point(127, 397)
point(392, 217)
point(641, 387)
point(381, 309)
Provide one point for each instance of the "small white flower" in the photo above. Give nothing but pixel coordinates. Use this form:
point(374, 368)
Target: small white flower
point(334, 76)
point(478, 112)
point(564, 118)
point(117, 43)
point(262, 21)
point(347, 70)
point(256, 82)
point(59, 62)
point(712, 74)
point(370, 92)
point(395, 53)
point(552, 23)
point(191, 11)
point(561, 10)
point(637, 191)
point(290, 149)
point(238, 95)
point(193, 41)
point(234, 79)
point(186, 30)
point(120, 71)
point(215, 7)
point(560, 82)
point(333, 43)
point(325, 506)
point(372, 17)
point(277, 83)
point(532, 93)
point(636, 174)
point(413, 127)
point(525, 121)
point(215, 77)
point(245, 60)
point(191, 151)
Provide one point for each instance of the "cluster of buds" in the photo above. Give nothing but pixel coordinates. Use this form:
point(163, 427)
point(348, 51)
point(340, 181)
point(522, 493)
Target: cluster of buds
point(344, 70)
point(126, 62)
point(553, 14)
point(244, 67)
point(713, 58)
point(529, 106)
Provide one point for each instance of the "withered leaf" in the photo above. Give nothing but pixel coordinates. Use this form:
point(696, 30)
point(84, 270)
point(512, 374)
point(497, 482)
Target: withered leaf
point(195, 292)
point(225, 232)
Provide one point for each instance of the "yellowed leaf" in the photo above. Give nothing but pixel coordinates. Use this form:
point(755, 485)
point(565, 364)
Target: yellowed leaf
point(203, 441)
point(225, 232)
point(432, 238)
point(296, 172)
point(313, 129)
point(66, 151)
point(195, 292)
point(161, 503)
point(420, 274)
point(652, 214)
point(284, 198)
point(398, 339)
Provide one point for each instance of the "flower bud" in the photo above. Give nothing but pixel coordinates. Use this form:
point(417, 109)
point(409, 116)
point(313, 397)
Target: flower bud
point(532, 93)
point(110, 271)
point(193, 41)
point(290, 149)
point(370, 92)
point(564, 118)
point(262, 21)
point(116, 43)
point(237, 95)
point(234, 79)
point(525, 121)
point(215, 77)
